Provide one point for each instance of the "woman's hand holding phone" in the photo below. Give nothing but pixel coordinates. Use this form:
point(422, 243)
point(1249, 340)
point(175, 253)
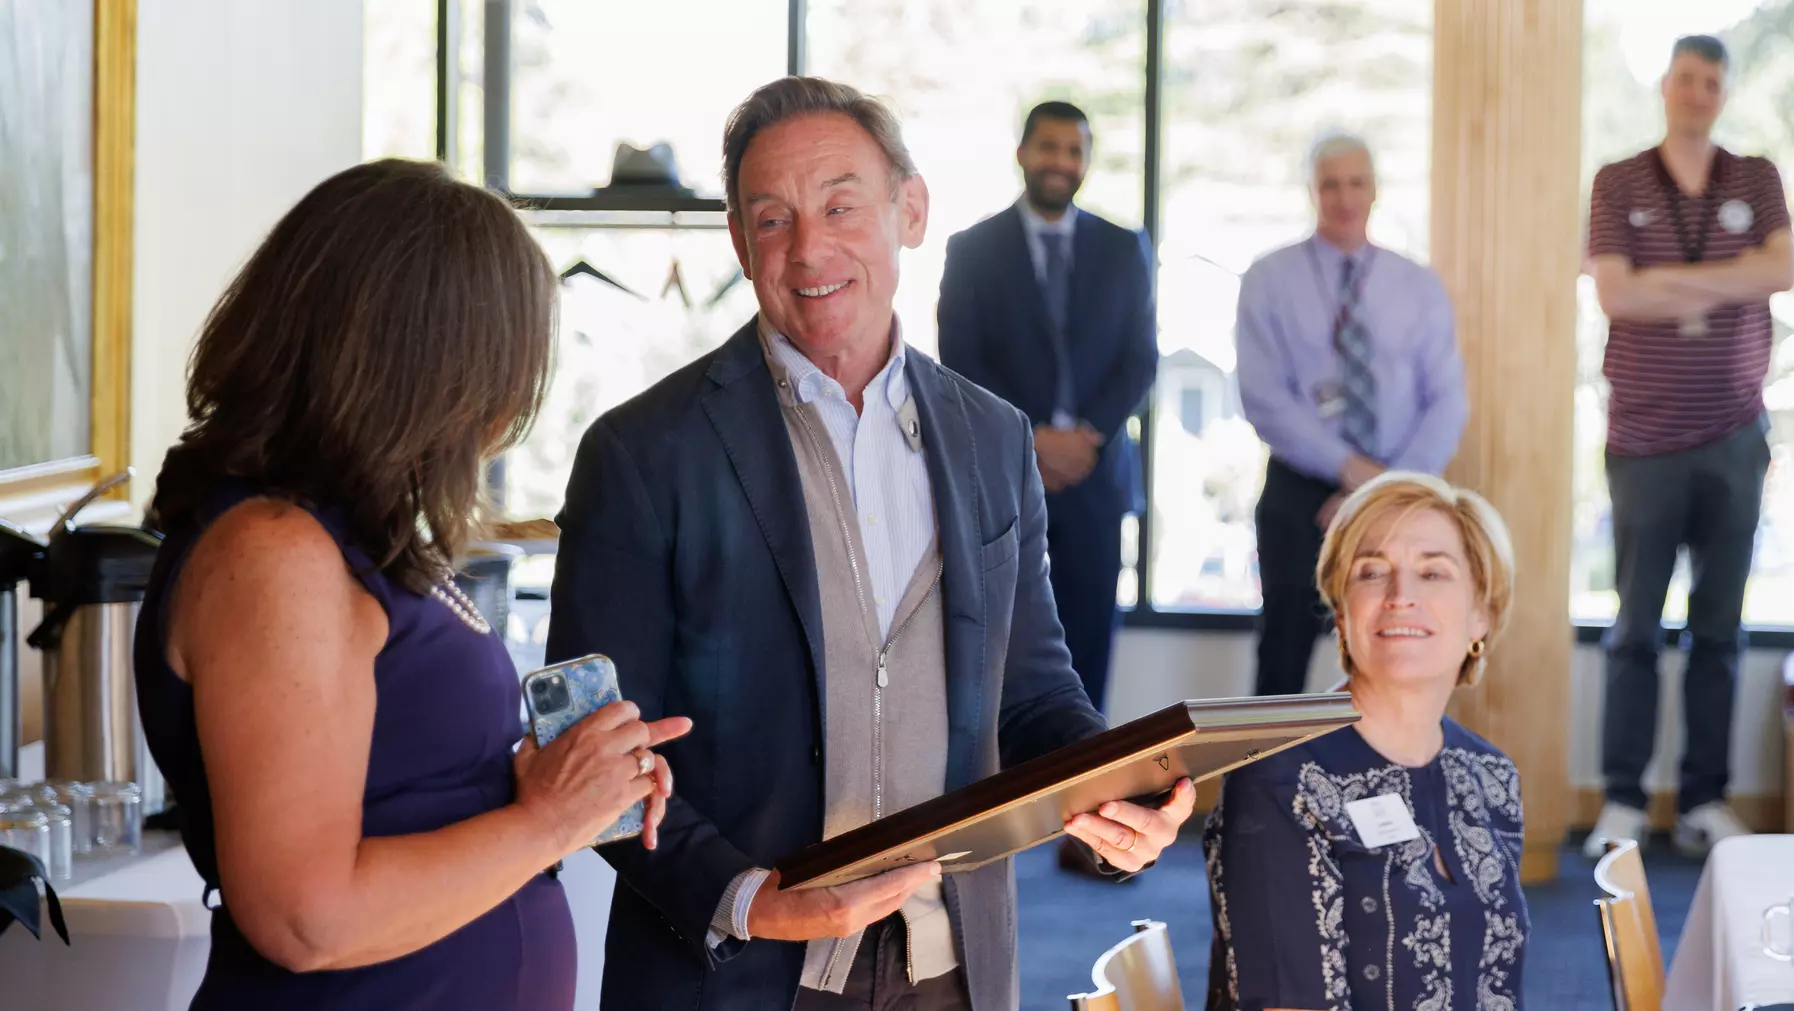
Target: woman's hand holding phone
point(587, 777)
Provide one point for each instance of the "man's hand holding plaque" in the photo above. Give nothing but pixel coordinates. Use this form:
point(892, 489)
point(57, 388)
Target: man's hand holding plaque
point(1072, 792)
point(1130, 836)
point(837, 911)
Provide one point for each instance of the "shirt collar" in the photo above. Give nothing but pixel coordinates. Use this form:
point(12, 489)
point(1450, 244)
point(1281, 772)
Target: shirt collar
point(1332, 256)
point(1035, 224)
point(809, 383)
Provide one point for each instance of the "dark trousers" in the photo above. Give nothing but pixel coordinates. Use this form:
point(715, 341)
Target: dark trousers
point(1289, 547)
point(1707, 499)
point(879, 979)
point(1084, 544)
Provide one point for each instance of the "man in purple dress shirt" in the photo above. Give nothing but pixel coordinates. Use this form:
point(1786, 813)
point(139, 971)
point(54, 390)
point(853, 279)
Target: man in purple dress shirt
point(1348, 366)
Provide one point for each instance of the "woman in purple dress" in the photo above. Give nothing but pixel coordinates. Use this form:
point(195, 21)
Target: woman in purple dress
point(336, 719)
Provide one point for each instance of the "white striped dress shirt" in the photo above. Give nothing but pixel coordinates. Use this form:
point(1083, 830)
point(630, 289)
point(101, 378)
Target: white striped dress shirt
point(892, 495)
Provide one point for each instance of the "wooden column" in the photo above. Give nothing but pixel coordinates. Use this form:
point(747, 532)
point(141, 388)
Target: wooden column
point(1507, 103)
point(114, 162)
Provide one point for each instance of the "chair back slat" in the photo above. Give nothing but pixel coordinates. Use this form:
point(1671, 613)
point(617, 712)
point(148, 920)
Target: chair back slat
point(1629, 930)
point(1139, 974)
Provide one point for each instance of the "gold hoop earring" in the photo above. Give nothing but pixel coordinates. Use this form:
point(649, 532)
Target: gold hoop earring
point(1476, 649)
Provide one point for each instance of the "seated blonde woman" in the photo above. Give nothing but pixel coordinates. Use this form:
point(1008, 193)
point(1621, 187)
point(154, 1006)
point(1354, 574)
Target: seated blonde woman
point(1379, 866)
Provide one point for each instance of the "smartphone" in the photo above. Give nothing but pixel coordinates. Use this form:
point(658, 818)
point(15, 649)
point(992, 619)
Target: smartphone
point(558, 697)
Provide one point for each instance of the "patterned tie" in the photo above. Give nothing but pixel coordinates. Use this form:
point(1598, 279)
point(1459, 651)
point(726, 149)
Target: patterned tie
point(1058, 292)
point(1358, 422)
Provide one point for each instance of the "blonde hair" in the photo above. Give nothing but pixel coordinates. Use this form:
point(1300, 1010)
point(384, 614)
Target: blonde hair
point(1487, 548)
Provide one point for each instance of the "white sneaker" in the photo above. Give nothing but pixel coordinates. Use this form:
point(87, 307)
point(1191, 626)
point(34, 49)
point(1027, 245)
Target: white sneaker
point(1617, 821)
point(1698, 830)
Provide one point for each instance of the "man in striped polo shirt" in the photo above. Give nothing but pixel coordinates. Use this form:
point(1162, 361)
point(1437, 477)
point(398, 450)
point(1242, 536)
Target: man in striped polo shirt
point(1686, 243)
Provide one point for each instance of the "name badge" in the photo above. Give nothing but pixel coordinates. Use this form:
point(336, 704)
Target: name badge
point(1383, 820)
point(1329, 398)
point(1735, 216)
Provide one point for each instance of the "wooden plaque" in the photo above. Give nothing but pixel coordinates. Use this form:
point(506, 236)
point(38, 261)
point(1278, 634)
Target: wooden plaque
point(1022, 807)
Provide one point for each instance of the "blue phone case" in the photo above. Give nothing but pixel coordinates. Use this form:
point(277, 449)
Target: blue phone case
point(592, 685)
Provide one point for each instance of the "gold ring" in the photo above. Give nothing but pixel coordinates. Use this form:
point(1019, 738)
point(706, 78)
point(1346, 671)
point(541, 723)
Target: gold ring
point(1132, 841)
point(644, 762)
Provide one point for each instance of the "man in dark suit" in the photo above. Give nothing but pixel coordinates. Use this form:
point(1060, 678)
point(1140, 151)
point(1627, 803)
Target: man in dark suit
point(1051, 308)
point(830, 553)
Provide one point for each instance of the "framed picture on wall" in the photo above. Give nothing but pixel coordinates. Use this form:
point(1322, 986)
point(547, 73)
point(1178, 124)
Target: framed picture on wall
point(68, 72)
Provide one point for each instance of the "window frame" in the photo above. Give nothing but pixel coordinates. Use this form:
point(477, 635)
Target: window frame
point(495, 114)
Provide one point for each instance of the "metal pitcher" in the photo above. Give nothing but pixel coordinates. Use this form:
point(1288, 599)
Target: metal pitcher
point(93, 582)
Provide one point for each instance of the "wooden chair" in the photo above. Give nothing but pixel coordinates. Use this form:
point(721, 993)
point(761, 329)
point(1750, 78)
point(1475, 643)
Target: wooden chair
point(1629, 929)
point(1138, 974)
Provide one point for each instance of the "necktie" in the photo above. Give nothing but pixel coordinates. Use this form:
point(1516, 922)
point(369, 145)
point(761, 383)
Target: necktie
point(1358, 422)
point(1057, 285)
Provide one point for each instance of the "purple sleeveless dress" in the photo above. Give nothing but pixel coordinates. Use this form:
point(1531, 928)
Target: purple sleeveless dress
point(448, 711)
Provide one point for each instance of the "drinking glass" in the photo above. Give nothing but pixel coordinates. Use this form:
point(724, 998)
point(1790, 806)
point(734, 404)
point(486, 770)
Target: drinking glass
point(117, 819)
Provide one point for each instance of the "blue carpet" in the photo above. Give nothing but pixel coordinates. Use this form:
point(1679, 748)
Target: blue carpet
point(1067, 920)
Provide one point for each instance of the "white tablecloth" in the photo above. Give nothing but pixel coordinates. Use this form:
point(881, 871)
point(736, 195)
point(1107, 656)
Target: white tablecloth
point(140, 936)
point(1720, 964)
point(138, 933)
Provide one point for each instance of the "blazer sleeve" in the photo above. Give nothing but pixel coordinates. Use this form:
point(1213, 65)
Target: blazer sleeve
point(613, 594)
point(1131, 375)
point(958, 321)
point(1276, 895)
point(1044, 705)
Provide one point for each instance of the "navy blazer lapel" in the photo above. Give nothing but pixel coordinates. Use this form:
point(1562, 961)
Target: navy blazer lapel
point(953, 472)
point(1086, 267)
point(1024, 285)
point(744, 410)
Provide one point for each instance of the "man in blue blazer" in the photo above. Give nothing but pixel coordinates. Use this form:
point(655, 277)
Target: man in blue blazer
point(830, 553)
point(1051, 308)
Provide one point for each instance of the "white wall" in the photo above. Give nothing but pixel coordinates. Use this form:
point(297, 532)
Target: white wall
point(1154, 668)
point(241, 108)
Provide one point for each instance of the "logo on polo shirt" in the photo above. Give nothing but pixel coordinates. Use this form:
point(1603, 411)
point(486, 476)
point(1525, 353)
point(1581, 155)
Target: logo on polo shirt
point(1735, 216)
point(1639, 219)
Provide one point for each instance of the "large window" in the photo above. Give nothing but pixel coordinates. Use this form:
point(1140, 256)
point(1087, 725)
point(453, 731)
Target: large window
point(400, 99)
point(1242, 89)
point(962, 76)
point(587, 77)
point(1626, 49)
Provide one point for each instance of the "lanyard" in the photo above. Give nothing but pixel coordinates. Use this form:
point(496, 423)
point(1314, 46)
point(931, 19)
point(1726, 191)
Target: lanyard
point(1327, 292)
point(1672, 195)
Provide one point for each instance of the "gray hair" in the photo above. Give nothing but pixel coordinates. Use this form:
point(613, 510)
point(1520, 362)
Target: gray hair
point(1334, 144)
point(792, 97)
point(1705, 47)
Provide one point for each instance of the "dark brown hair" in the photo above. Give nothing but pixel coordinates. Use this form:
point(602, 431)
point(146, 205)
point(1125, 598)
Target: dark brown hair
point(791, 97)
point(1706, 47)
point(394, 329)
point(1052, 110)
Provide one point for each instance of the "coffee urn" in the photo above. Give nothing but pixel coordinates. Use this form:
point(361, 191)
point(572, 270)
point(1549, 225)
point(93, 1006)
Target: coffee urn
point(21, 555)
point(93, 579)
